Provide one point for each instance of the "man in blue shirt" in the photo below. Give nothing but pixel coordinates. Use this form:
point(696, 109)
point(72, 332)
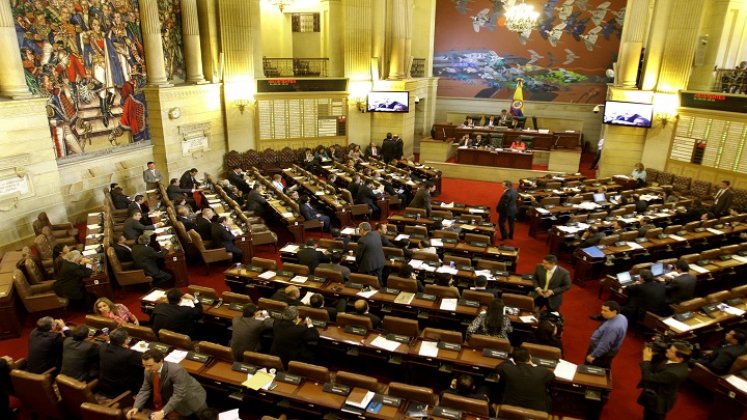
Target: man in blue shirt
point(607, 339)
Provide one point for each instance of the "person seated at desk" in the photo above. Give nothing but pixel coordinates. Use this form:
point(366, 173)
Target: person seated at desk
point(481, 285)
point(317, 301)
point(335, 263)
point(139, 204)
point(247, 330)
point(547, 335)
point(236, 177)
point(310, 213)
point(518, 144)
point(446, 280)
point(491, 322)
point(232, 192)
point(133, 228)
point(177, 193)
point(290, 295)
point(123, 251)
point(119, 199)
point(491, 122)
point(465, 386)
point(361, 308)
point(277, 182)
point(524, 384)
point(648, 295)
point(366, 195)
point(309, 256)
point(147, 258)
point(468, 122)
point(682, 287)
point(175, 317)
point(117, 312)
point(505, 118)
point(121, 368)
point(256, 202)
point(338, 236)
point(293, 337)
point(591, 237)
point(639, 175)
point(355, 154)
point(223, 237)
point(465, 141)
point(184, 215)
point(80, 357)
point(719, 360)
point(322, 155)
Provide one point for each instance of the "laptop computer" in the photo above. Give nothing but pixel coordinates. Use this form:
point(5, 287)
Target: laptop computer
point(657, 269)
point(600, 198)
point(624, 278)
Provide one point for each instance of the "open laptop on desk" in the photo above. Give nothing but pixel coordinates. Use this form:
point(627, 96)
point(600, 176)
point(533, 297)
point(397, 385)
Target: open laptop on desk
point(625, 278)
point(657, 269)
point(600, 198)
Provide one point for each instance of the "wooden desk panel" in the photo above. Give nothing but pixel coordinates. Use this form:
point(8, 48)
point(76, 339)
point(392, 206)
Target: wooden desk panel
point(488, 157)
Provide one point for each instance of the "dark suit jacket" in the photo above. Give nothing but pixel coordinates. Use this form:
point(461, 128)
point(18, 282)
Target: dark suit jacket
point(121, 370)
point(187, 182)
point(133, 228)
point(147, 258)
point(369, 151)
point(69, 282)
point(651, 296)
point(246, 335)
point(308, 212)
point(311, 258)
point(389, 149)
point(124, 253)
point(721, 359)
point(177, 193)
point(422, 200)
point(222, 237)
point(665, 379)
point(80, 359)
point(560, 282)
point(375, 320)
point(180, 392)
point(256, 202)
point(179, 319)
point(187, 222)
point(723, 204)
point(525, 385)
point(45, 351)
point(280, 296)
point(366, 196)
point(370, 253)
point(353, 188)
point(238, 181)
point(204, 228)
point(681, 288)
point(120, 201)
point(507, 203)
point(293, 342)
point(142, 208)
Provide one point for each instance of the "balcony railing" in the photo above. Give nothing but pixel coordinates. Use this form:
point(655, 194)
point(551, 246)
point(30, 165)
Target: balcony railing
point(731, 81)
point(418, 67)
point(295, 67)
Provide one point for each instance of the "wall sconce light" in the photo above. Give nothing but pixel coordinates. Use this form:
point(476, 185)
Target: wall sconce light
point(361, 103)
point(666, 117)
point(665, 107)
point(241, 104)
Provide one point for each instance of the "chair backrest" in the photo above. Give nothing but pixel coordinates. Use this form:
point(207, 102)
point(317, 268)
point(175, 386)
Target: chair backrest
point(609, 239)
point(73, 393)
point(629, 236)
point(319, 314)
point(271, 304)
point(710, 254)
point(207, 292)
point(465, 404)
point(233, 297)
point(689, 305)
point(297, 269)
point(365, 279)
point(264, 360)
point(34, 272)
point(313, 372)
point(98, 321)
point(327, 243)
point(390, 252)
point(441, 291)
point(410, 392)
point(403, 284)
point(512, 412)
point(739, 291)
point(36, 392)
point(197, 241)
point(265, 263)
point(218, 351)
point(541, 350)
point(91, 411)
point(478, 341)
point(457, 260)
point(416, 230)
point(523, 302)
point(720, 296)
point(344, 319)
point(445, 214)
point(447, 336)
point(424, 256)
point(740, 363)
point(476, 237)
point(653, 232)
point(485, 298)
point(333, 276)
point(140, 332)
point(180, 341)
point(402, 326)
point(355, 380)
point(482, 264)
point(445, 234)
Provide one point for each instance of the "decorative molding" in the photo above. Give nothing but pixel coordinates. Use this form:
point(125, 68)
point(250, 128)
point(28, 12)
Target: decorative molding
point(15, 161)
point(24, 107)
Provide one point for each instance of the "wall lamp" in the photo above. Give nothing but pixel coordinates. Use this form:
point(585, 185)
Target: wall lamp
point(666, 117)
point(361, 103)
point(241, 104)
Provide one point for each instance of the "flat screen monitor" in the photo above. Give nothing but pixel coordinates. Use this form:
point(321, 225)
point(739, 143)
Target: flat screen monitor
point(600, 197)
point(388, 102)
point(657, 269)
point(624, 278)
point(630, 114)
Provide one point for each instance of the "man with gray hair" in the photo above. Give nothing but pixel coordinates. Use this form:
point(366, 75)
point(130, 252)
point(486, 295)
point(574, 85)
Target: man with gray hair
point(293, 336)
point(45, 345)
point(370, 253)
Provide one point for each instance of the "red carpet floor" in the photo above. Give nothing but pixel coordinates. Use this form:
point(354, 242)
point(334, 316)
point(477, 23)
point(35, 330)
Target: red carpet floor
point(578, 304)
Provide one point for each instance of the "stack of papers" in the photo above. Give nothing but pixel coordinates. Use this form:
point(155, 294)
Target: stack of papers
point(176, 356)
point(677, 325)
point(447, 205)
point(447, 269)
point(382, 343)
point(348, 231)
point(428, 349)
point(154, 296)
point(290, 248)
point(267, 275)
point(565, 370)
point(437, 242)
point(448, 304)
point(367, 294)
point(260, 380)
point(299, 279)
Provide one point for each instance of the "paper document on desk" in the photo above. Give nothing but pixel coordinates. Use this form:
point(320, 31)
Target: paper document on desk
point(676, 238)
point(404, 298)
point(89, 252)
point(468, 227)
point(299, 279)
point(428, 349)
point(449, 304)
point(737, 382)
point(260, 380)
point(486, 273)
point(447, 205)
point(416, 264)
point(633, 245)
point(476, 211)
point(730, 309)
point(141, 346)
point(428, 268)
point(715, 231)
point(540, 210)
point(320, 192)
point(447, 222)
point(677, 325)
point(229, 415)
point(267, 275)
point(286, 214)
point(93, 227)
point(447, 269)
point(739, 258)
point(402, 236)
point(154, 296)
point(528, 319)
point(290, 248)
point(565, 370)
point(437, 242)
point(176, 356)
point(307, 298)
point(348, 231)
point(365, 294)
point(382, 343)
point(699, 269)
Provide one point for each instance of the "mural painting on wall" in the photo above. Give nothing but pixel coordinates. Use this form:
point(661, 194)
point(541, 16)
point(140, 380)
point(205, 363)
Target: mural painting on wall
point(563, 58)
point(170, 12)
point(86, 57)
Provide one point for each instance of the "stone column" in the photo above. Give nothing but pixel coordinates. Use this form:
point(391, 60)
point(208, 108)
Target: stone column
point(151, 27)
point(380, 57)
point(634, 29)
point(12, 81)
point(191, 37)
point(335, 40)
point(655, 43)
point(397, 57)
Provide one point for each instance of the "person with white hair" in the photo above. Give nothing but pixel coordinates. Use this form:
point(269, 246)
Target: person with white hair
point(75, 267)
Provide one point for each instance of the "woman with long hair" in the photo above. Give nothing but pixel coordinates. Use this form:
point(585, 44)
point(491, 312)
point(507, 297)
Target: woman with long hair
point(491, 322)
point(118, 312)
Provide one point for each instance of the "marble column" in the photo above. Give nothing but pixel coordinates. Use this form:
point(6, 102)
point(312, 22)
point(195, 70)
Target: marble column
point(12, 80)
point(397, 57)
point(634, 30)
point(191, 38)
point(151, 27)
point(335, 42)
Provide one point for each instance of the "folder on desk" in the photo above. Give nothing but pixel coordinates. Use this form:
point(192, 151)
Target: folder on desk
point(260, 380)
point(404, 298)
point(359, 398)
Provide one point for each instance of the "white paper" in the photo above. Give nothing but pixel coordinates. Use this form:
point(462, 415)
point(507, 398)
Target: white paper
point(229, 415)
point(187, 302)
point(476, 211)
point(416, 264)
point(267, 275)
point(437, 242)
point(290, 248)
point(428, 349)
point(140, 347)
point(447, 269)
point(447, 205)
point(737, 382)
point(154, 295)
point(307, 298)
point(402, 236)
point(348, 231)
point(565, 370)
point(698, 269)
point(447, 222)
point(633, 245)
point(468, 227)
point(382, 343)
point(677, 325)
point(176, 356)
point(715, 231)
point(89, 252)
point(367, 294)
point(97, 226)
point(448, 304)
point(286, 214)
point(739, 258)
point(676, 238)
point(299, 279)
point(528, 319)
point(90, 247)
point(540, 210)
point(730, 309)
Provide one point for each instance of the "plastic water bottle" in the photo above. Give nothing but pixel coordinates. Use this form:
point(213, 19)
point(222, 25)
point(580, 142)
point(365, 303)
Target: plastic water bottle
point(452, 264)
point(105, 331)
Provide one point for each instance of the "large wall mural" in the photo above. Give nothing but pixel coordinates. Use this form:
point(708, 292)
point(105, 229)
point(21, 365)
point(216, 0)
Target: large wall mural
point(170, 13)
point(563, 59)
point(86, 57)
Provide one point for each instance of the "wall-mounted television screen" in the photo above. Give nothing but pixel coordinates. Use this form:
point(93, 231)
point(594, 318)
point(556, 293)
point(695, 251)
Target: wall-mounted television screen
point(631, 114)
point(388, 102)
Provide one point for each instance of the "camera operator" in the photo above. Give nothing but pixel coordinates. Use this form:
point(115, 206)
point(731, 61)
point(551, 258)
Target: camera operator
point(661, 381)
point(719, 360)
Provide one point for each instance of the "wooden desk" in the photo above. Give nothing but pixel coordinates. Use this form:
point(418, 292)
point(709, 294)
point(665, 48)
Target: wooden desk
point(10, 308)
point(492, 157)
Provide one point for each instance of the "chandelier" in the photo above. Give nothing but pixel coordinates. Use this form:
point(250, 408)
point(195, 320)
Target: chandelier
point(521, 17)
point(281, 3)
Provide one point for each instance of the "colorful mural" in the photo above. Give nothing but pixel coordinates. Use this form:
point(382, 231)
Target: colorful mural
point(170, 14)
point(86, 57)
point(564, 58)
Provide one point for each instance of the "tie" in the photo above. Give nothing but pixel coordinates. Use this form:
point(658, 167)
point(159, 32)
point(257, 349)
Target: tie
point(718, 194)
point(157, 402)
point(548, 276)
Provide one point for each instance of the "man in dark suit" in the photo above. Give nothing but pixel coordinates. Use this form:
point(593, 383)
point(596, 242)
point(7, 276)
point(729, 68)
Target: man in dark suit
point(361, 308)
point(247, 330)
point(648, 295)
point(723, 199)
point(550, 282)
point(169, 387)
point(256, 202)
point(236, 177)
point(45, 345)
point(188, 181)
point(293, 337)
point(183, 215)
point(290, 295)
point(399, 147)
point(592, 237)
point(524, 384)
point(335, 260)
point(204, 224)
point(388, 148)
point(682, 287)
point(310, 213)
point(366, 195)
point(422, 198)
point(120, 367)
point(661, 382)
point(139, 204)
point(372, 151)
point(310, 257)
point(354, 186)
point(120, 200)
point(80, 358)
point(317, 301)
point(381, 229)
point(719, 360)
point(133, 228)
point(223, 238)
point(175, 317)
point(507, 211)
point(147, 259)
point(177, 193)
point(123, 251)
point(370, 253)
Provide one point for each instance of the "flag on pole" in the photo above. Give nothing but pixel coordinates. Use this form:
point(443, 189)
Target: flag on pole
point(518, 104)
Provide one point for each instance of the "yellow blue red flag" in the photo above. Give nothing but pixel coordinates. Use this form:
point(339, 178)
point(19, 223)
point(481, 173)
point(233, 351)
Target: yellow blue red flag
point(518, 103)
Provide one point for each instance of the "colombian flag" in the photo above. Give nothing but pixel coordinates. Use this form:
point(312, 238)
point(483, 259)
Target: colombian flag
point(518, 104)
